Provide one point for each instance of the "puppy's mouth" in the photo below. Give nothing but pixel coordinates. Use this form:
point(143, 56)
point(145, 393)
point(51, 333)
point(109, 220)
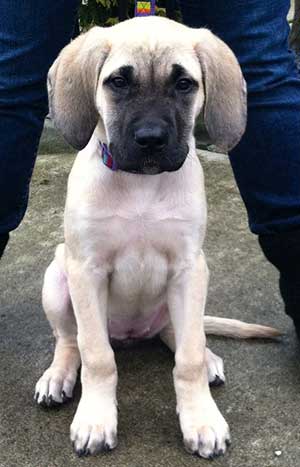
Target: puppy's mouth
point(147, 169)
point(146, 164)
point(150, 167)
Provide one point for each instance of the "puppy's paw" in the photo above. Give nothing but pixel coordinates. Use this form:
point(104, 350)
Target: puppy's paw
point(215, 368)
point(205, 431)
point(55, 387)
point(94, 428)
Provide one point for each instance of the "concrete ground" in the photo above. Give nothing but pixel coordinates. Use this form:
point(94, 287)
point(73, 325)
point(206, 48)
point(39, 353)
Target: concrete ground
point(260, 400)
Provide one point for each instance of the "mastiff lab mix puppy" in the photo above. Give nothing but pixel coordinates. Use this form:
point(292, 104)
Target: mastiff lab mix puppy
point(132, 264)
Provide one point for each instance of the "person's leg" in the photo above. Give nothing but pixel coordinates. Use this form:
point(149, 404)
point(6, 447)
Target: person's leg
point(3, 242)
point(32, 32)
point(266, 163)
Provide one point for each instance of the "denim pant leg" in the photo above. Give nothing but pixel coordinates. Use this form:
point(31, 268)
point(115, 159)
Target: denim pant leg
point(32, 32)
point(266, 163)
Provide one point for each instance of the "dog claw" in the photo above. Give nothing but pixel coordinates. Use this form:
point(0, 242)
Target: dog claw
point(201, 449)
point(217, 381)
point(47, 401)
point(102, 447)
point(65, 398)
point(43, 403)
point(80, 452)
point(85, 452)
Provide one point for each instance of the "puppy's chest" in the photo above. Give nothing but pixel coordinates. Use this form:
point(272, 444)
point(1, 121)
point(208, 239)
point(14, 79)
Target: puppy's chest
point(137, 287)
point(142, 252)
point(139, 272)
point(146, 244)
point(139, 251)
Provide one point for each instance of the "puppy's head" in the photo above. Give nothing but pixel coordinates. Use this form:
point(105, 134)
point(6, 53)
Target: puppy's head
point(145, 81)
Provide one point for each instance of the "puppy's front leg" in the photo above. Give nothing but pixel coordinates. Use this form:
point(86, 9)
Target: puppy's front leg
point(205, 432)
point(94, 427)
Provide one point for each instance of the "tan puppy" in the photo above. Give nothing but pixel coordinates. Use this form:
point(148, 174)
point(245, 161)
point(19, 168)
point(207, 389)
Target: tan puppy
point(132, 264)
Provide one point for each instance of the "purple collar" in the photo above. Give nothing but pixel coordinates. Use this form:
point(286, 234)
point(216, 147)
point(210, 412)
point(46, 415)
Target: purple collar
point(107, 157)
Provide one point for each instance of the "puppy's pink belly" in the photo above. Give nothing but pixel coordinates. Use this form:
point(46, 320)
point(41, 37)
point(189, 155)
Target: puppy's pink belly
point(139, 328)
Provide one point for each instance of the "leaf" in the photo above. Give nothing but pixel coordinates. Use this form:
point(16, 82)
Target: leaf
point(104, 3)
point(112, 21)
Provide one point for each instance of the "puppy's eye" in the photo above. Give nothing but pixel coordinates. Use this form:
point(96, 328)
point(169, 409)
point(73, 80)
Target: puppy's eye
point(184, 85)
point(119, 82)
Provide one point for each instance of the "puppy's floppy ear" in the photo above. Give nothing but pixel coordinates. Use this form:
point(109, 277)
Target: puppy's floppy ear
point(72, 85)
point(225, 108)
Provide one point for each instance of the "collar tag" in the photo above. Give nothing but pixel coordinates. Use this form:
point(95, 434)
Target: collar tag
point(107, 157)
point(144, 8)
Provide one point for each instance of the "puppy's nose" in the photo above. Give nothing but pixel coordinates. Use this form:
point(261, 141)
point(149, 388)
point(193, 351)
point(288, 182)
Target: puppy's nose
point(151, 137)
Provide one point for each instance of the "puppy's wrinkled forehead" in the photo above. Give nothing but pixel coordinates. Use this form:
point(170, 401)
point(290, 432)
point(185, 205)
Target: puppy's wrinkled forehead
point(155, 62)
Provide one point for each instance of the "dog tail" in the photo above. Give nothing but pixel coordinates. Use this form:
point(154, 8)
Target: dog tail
point(238, 329)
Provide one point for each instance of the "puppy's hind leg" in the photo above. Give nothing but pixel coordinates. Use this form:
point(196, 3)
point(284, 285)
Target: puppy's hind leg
point(214, 364)
point(57, 383)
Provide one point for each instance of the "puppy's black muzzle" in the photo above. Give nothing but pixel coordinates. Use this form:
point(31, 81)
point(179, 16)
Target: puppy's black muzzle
point(152, 137)
point(152, 149)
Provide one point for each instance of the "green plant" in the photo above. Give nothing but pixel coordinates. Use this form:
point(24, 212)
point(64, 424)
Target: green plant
point(98, 12)
point(105, 12)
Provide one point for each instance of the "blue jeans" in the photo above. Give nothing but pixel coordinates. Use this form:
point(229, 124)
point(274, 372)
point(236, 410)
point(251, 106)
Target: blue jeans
point(266, 163)
point(32, 32)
